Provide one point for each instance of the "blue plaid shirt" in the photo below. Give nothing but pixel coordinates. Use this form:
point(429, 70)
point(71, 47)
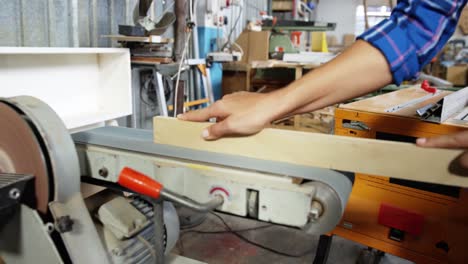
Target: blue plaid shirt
point(415, 32)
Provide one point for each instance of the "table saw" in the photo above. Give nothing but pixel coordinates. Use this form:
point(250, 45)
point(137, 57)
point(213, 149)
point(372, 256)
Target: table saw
point(58, 108)
point(422, 222)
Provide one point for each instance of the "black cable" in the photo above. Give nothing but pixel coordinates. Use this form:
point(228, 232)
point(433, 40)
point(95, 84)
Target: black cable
point(241, 237)
point(260, 245)
point(227, 231)
point(159, 230)
point(233, 28)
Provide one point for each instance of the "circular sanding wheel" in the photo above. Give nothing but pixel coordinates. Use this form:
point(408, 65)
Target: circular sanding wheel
point(21, 153)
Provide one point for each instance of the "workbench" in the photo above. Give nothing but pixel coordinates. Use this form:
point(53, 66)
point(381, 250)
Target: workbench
point(232, 72)
point(424, 223)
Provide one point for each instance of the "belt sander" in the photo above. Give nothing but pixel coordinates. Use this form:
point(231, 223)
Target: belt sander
point(42, 166)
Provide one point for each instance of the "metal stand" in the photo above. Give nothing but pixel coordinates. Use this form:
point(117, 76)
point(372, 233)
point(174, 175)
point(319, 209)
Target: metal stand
point(323, 249)
point(162, 104)
point(160, 94)
point(204, 70)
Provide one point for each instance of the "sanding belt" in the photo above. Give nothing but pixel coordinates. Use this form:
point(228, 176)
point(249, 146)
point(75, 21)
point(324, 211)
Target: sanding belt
point(141, 141)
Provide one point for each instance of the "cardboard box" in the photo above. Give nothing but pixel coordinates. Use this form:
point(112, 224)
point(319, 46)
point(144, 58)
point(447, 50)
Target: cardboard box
point(348, 39)
point(457, 74)
point(282, 5)
point(255, 45)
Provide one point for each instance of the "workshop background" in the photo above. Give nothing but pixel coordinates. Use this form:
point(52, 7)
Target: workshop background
point(260, 46)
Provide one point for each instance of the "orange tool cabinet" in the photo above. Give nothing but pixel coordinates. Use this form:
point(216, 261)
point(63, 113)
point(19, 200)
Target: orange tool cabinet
point(424, 223)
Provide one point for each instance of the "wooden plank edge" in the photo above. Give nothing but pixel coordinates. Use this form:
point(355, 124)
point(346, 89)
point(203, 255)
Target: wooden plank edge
point(367, 156)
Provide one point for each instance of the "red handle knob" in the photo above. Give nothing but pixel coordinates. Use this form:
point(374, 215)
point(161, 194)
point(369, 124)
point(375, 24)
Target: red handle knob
point(426, 87)
point(140, 183)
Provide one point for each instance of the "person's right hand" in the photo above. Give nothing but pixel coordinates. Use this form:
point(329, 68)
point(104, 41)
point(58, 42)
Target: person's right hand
point(237, 114)
point(453, 141)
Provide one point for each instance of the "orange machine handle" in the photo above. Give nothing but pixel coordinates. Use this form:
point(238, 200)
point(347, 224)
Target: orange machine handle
point(140, 183)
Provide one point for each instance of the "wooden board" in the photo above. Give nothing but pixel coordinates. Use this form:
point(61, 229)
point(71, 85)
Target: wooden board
point(375, 157)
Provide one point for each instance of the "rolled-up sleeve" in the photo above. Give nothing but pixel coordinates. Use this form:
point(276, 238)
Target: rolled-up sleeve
point(414, 33)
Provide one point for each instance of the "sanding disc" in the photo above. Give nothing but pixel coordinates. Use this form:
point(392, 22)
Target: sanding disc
point(21, 153)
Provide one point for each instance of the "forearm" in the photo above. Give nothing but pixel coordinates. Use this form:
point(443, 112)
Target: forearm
point(357, 71)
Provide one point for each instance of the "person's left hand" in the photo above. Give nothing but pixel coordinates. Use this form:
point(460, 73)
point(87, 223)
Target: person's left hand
point(454, 141)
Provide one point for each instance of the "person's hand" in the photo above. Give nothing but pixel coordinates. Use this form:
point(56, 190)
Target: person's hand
point(455, 141)
point(237, 114)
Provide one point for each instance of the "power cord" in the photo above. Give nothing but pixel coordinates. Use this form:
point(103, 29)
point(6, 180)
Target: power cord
point(241, 237)
point(233, 27)
point(179, 71)
point(227, 231)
